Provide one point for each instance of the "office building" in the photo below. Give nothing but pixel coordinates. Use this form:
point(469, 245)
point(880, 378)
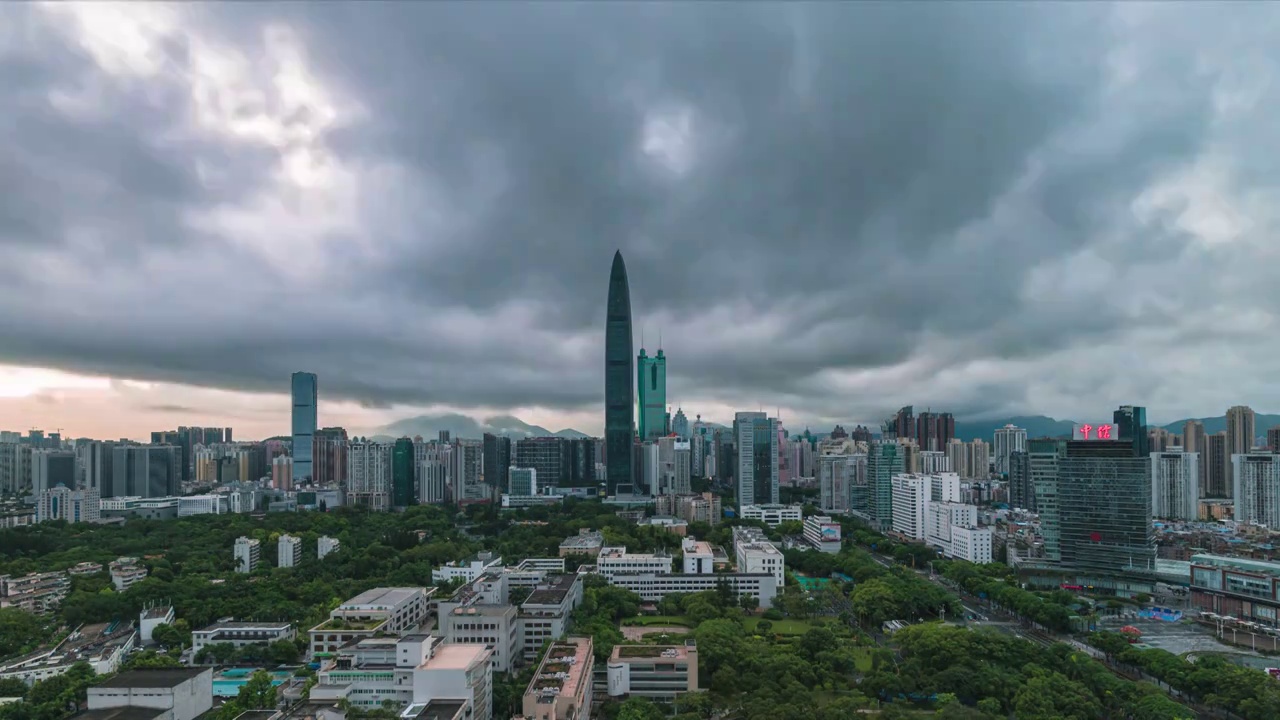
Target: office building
point(1131, 426)
point(94, 464)
point(493, 625)
point(247, 552)
point(772, 514)
point(657, 672)
point(1238, 588)
point(1042, 461)
point(616, 560)
point(1257, 488)
point(497, 459)
point(1175, 484)
point(834, 491)
point(874, 503)
point(73, 506)
point(1218, 479)
point(374, 613)
point(288, 551)
point(757, 458)
point(1021, 491)
point(144, 471)
point(910, 505)
point(546, 614)
point(651, 382)
point(587, 542)
point(15, 467)
point(467, 570)
point(971, 543)
point(404, 476)
point(698, 557)
point(550, 456)
point(1104, 501)
point(1008, 440)
point(941, 517)
point(304, 390)
point(561, 687)
point(680, 425)
point(153, 694)
point(754, 554)
point(619, 391)
point(241, 634)
point(51, 468)
point(652, 587)
point(522, 482)
point(822, 533)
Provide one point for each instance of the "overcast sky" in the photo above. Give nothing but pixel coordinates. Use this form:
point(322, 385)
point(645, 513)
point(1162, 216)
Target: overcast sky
point(831, 209)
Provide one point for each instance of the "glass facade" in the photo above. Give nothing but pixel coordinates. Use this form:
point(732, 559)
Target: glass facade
point(305, 395)
point(884, 460)
point(1042, 468)
point(651, 379)
point(404, 490)
point(1104, 507)
point(619, 392)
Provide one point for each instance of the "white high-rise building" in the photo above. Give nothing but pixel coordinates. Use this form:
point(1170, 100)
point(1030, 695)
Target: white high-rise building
point(1175, 484)
point(934, 461)
point(369, 474)
point(247, 553)
point(326, 545)
point(944, 487)
point(835, 493)
point(910, 505)
point(1008, 440)
point(757, 467)
point(289, 551)
point(971, 543)
point(1257, 488)
point(942, 516)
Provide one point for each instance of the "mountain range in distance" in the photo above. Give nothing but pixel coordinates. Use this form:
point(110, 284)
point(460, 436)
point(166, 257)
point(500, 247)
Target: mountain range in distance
point(464, 426)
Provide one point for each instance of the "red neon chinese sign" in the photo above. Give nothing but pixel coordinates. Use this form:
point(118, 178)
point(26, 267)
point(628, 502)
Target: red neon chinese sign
point(1094, 432)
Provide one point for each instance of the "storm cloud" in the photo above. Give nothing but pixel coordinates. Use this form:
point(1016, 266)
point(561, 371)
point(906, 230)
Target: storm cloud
point(833, 208)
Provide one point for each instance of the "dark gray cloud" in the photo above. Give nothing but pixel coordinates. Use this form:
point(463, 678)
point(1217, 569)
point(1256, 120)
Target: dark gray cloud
point(836, 208)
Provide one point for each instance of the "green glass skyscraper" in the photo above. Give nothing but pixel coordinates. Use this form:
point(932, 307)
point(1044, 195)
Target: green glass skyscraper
point(619, 393)
point(651, 378)
point(403, 475)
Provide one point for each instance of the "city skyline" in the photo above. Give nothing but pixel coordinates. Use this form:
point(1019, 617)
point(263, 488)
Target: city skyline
point(1098, 235)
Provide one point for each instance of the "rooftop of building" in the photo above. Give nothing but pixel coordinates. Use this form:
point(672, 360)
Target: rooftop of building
point(456, 656)
point(482, 610)
point(340, 623)
point(156, 613)
point(618, 553)
point(696, 547)
point(591, 539)
point(381, 597)
point(434, 710)
point(126, 712)
point(152, 678)
point(563, 670)
point(484, 559)
point(553, 591)
point(636, 652)
point(1244, 564)
point(245, 625)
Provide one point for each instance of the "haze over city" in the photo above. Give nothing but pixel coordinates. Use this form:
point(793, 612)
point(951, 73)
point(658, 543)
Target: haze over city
point(827, 210)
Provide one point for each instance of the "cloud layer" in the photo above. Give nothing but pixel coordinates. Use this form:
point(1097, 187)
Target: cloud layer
point(834, 209)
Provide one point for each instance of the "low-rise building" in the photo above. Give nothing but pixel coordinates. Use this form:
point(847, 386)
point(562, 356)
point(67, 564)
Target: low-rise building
point(771, 515)
point(698, 558)
point(615, 560)
point(657, 672)
point(240, 634)
point(102, 645)
point(494, 626)
point(126, 572)
point(652, 587)
point(1244, 589)
point(85, 568)
point(545, 614)
point(467, 570)
point(37, 593)
point(380, 610)
point(151, 618)
point(822, 533)
point(202, 505)
point(73, 506)
point(971, 543)
point(561, 689)
point(174, 693)
point(586, 542)
point(755, 554)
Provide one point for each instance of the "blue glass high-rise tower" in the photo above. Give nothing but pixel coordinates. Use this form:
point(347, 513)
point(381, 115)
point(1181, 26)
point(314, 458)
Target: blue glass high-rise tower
point(304, 425)
point(619, 379)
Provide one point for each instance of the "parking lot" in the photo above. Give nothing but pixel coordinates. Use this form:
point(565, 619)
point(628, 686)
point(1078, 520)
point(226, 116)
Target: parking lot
point(1176, 637)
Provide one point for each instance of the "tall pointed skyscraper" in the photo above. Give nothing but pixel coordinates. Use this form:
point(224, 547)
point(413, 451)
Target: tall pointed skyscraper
point(619, 379)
